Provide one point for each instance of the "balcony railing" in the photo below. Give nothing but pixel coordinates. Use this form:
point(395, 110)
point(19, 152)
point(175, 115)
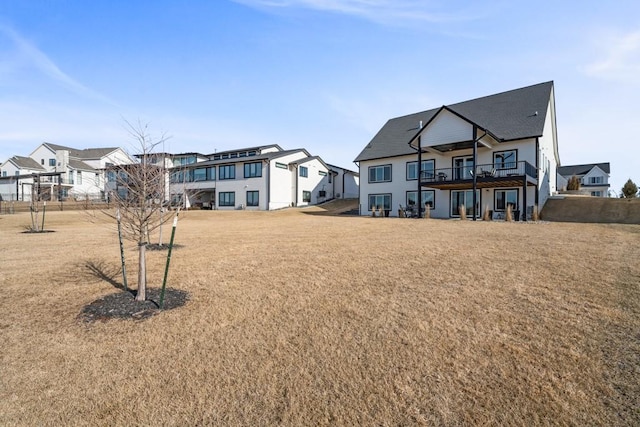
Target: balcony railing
point(486, 172)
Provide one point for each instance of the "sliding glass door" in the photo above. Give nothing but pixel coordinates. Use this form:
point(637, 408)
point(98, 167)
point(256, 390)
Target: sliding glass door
point(464, 198)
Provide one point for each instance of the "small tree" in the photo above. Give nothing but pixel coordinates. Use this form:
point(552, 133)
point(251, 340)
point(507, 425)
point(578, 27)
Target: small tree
point(629, 190)
point(573, 184)
point(139, 197)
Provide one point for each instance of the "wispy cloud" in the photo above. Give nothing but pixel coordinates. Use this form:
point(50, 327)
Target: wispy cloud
point(389, 12)
point(34, 57)
point(620, 59)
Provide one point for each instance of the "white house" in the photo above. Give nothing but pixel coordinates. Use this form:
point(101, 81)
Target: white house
point(594, 177)
point(346, 184)
point(260, 178)
point(486, 153)
point(59, 172)
point(16, 182)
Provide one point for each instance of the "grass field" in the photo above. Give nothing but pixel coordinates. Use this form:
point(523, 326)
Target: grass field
point(298, 319)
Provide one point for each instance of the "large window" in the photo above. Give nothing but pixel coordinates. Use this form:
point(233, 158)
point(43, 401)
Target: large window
point(464, 198)
point(227, 172)
point(505, 198)
point(200, 174)
point(252, 170)
point(306, 196)
point(79, 176)
point(304, 171)
point(505, 159)
point(52, 162)
point(227, 198)
point(380, 201)
point(380, 173)
point(428, 197)
point(253, 198)
point(427, 169)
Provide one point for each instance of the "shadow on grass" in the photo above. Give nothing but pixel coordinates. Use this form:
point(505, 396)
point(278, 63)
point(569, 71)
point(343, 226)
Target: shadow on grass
point(106, 272)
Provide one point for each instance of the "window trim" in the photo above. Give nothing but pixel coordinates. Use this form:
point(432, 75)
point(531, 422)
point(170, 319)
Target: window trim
point(369, 205)
point(433, 161)
point(306, 199)
point(511, 165)
point(222, 202)
point(257, 198)
point(380, 166)
point(231, 167)
point(303, 171)
point(433, 203)
point(505, 190)
point(254, 169)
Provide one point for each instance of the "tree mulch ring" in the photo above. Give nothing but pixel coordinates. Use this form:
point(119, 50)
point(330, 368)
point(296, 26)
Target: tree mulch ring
point(160, 247)
point(122, 305)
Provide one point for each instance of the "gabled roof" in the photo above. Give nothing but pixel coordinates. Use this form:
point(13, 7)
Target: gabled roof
point(80, 165)
point(309, 159)
point(582, 169)
point(507, 116)
point(25, 163)
point(345, 170)
point(257, 148)
point(85, 154)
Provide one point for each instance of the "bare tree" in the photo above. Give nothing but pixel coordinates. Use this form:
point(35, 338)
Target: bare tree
point(138, 197)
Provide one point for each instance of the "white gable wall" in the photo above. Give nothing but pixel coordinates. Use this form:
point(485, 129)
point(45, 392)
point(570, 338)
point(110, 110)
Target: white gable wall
point(314, 182)
point(548, 158)
point(446, 127)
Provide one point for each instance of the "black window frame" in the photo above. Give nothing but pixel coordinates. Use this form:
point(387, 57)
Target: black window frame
point(383, 173)
point(303, 171)
point(306, 196)
point(226, 172)
point(505, 190)
point(254, 200)
point(384, 204)
point(415, 163)
point(432, 204)
point(253, 170)
point(504, 165)
point(227, 198)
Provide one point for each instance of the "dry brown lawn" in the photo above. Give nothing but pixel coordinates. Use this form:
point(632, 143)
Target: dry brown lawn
point(298, 319)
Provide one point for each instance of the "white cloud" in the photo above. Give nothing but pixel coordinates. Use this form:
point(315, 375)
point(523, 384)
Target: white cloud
point(620, 60)
point(31, 56)
point(390, 12)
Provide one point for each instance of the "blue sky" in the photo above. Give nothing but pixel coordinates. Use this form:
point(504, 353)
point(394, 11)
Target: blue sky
point(320, 74)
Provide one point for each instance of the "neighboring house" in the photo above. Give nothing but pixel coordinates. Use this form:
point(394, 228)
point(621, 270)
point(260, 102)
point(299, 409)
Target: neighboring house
point(503, 146)
point(18, 173)
point(594, 178)
point(346, 184)
point(59, 172)
point(260, 178)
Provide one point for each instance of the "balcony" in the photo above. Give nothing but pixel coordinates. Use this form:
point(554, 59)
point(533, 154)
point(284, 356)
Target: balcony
point(515, 174)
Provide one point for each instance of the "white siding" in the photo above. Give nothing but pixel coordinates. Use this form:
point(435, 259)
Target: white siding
point(314, 183)
point(446, 127)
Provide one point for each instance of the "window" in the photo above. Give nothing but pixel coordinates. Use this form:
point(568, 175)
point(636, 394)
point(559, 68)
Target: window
point(252, 170)
point(227, 198)
point(70, 175)
point(211, 173)
point(380, 201)
point(330, 177)
point(79, 177)
point(111, 176)
point(464, 198)
point(253, 198)
point(4, 173)
point(380, 173)
point(505, 159)
point(595, 180)
point(428, 197)
point(200, 174)
point(427, 169)
point(322, 173)
point(304, 171)
point(227, 172)
point(42, 162)
point(281, 165)
point(596, 193)
point(306, 196)
point(52, 162)
point(505, 198)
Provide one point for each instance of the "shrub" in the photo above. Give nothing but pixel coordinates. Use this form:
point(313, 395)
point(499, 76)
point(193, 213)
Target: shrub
point(573, 184)
point(462, 211)
point(509, 215)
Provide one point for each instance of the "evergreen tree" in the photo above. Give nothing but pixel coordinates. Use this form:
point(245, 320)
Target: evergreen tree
point(629, 190)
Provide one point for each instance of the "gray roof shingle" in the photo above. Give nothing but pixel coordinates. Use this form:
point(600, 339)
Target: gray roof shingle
point(511, 115)
point(26, 163)
point(571, 170)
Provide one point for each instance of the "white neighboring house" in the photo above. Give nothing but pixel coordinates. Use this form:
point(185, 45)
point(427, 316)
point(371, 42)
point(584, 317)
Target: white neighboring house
point(504, 146)
point(16, 182)
point(594, 177)
point(346, 184)
point(66, 172)
point(259, 178)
